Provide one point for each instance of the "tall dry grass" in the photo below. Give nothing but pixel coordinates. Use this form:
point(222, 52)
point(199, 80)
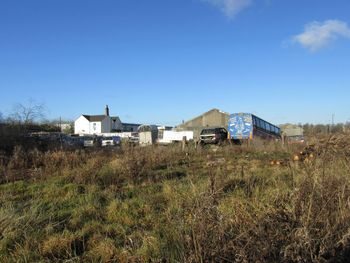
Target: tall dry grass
point(162, 204)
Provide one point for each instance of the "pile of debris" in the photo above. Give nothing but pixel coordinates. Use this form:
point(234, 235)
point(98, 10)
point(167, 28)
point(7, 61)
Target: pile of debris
point(306, 155)
point(335, 145)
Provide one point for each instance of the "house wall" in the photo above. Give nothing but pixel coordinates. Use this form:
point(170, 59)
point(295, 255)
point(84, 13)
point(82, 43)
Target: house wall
point(95, 127)
point(81, 126)
point(116, 125)
point(106, 125)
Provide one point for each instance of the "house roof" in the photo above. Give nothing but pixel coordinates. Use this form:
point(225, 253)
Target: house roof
point(96, 118)
point(131, 124)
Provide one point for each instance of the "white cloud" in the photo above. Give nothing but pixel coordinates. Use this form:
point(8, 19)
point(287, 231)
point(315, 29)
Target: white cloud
point(230, 7)
point(319, 35)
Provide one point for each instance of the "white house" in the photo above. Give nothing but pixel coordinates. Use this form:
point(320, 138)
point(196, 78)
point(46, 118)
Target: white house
point(97, 124)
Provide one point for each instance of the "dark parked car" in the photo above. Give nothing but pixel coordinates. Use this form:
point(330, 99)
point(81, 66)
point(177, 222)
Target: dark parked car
point(213, 135)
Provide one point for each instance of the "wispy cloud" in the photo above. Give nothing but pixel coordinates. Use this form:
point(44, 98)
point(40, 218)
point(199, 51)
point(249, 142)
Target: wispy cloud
point(230, 7)
point(318, 35)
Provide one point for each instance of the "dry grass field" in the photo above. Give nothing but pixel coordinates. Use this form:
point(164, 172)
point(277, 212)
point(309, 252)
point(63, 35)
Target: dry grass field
point(162, 204)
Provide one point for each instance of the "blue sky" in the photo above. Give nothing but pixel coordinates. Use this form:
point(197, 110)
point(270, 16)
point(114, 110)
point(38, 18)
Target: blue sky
point(164, 61)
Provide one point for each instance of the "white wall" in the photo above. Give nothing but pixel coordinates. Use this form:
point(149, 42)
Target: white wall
point(95, 127)
point(81, 126)
point(175, 136)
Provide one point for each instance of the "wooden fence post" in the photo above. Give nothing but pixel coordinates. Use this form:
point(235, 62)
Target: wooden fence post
point(183, 143)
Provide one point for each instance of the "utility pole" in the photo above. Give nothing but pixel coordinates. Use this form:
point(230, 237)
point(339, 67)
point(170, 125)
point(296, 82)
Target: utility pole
point(332, 122)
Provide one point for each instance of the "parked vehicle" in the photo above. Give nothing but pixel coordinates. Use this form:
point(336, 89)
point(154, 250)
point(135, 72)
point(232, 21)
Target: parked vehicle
point(246, 126)
point(215, 135)
point(72, 142)
point(92, 141)
point(134, 138)
point(168, 137)
point(110, 141)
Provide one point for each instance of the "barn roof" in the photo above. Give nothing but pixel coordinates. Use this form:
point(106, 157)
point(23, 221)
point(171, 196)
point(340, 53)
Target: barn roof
point(203, 114)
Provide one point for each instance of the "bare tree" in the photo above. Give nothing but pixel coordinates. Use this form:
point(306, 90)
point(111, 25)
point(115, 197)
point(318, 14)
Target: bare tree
point(29, 113)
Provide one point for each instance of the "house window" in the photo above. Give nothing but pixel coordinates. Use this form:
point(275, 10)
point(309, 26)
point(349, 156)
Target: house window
point(94, 126)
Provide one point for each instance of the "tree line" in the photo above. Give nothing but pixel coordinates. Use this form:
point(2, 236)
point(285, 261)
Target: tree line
point(313, 129)
point(29, 117)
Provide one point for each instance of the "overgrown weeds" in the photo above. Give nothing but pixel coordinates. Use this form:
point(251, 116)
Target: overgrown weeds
point(160, 204)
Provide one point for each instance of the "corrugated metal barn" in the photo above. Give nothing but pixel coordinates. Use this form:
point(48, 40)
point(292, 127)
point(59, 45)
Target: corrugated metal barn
point(212, 118)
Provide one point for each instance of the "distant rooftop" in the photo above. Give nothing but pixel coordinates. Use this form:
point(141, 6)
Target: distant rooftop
point(95, 117)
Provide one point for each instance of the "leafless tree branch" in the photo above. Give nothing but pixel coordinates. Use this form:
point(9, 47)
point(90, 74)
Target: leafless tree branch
point(29, 113)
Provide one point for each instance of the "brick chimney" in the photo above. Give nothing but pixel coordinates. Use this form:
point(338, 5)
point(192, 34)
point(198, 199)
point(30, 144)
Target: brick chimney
point(107, 111)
